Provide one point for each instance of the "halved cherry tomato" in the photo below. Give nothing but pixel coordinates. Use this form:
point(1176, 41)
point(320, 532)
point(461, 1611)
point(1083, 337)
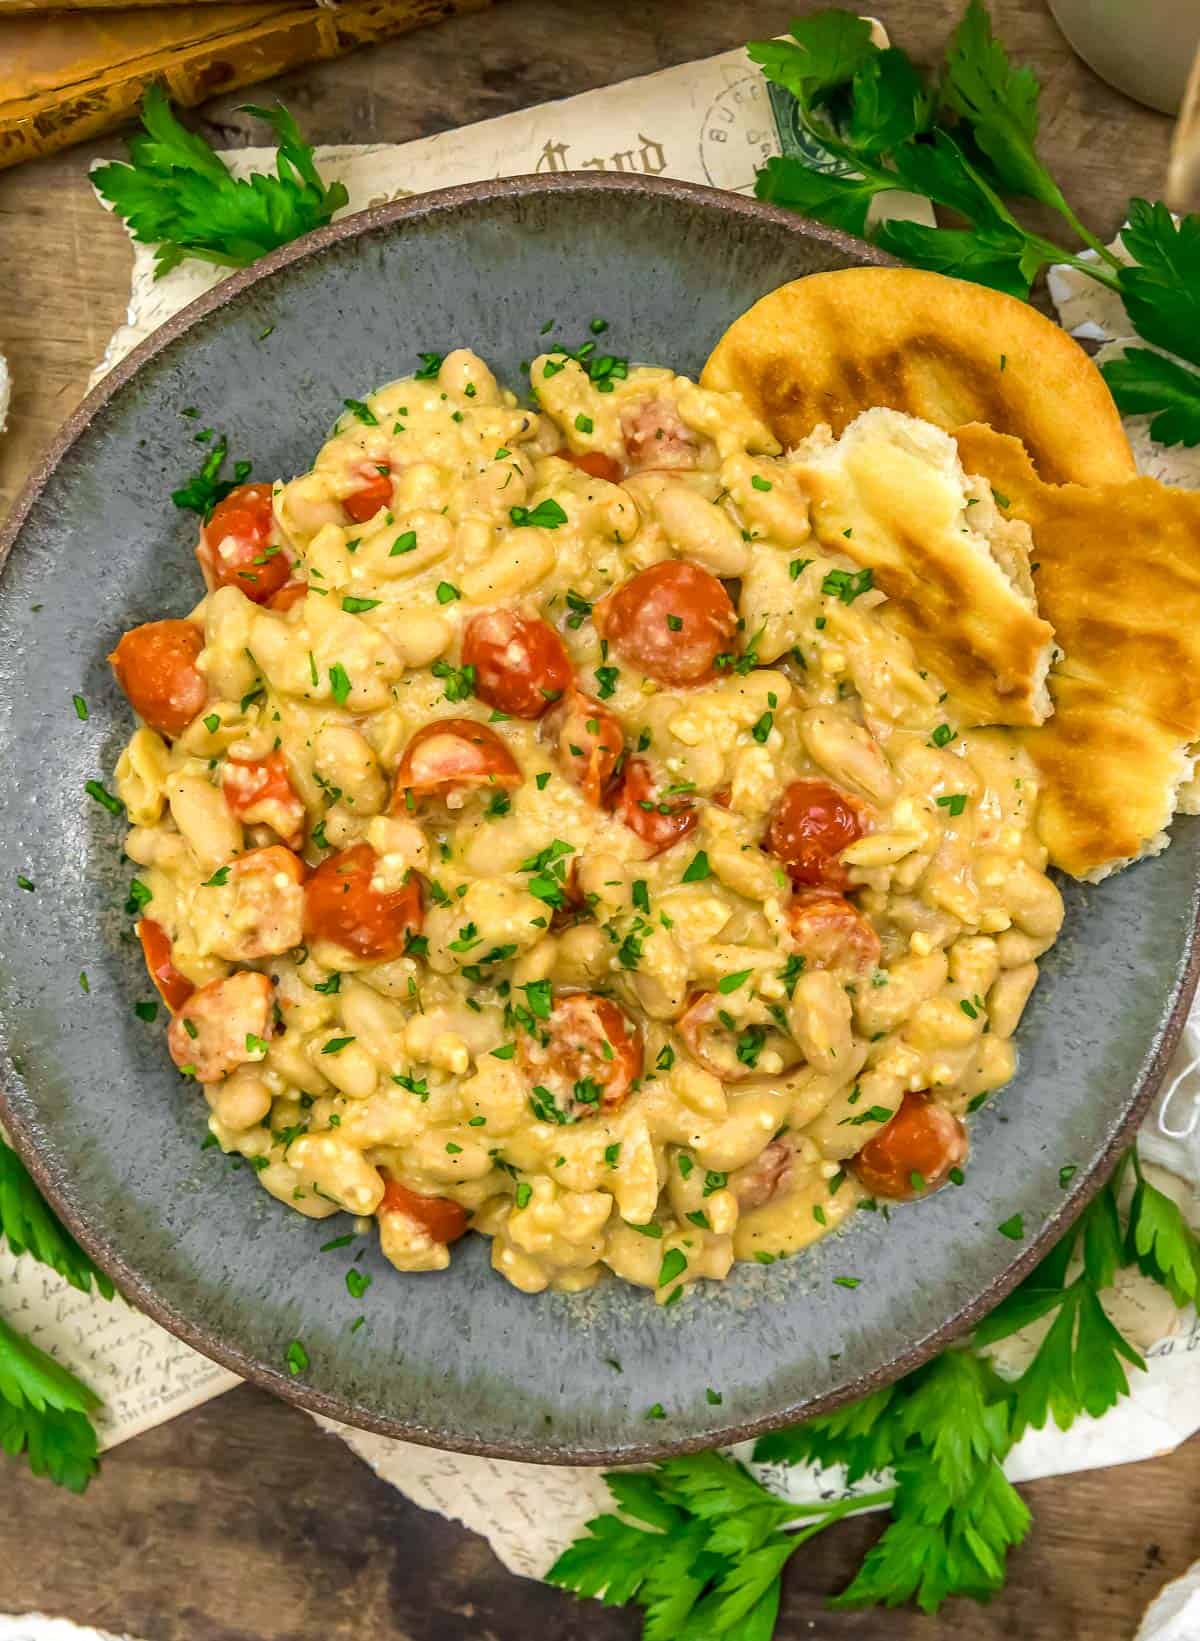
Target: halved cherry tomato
point(587, 1057)
point(656, 437)
point(156, 667)
point(914, 1154)
point(830, 933)
point(287, 596)
point(658, 821)
point(521, 664)
point(449, 758)
point(595, 464)
point(374, 492)
point(213, 1032)
point(590, 743)
point(760, 1180)
point(173, 987)
point(671, 620)
point(260, 792)
point(812, 823)
point(341, 905)
point(236, 549)
point(442, 1219)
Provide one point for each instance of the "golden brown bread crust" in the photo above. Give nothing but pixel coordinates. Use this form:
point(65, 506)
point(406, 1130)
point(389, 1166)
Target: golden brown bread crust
point(889, 495)
point(829, 346)
point(1117, 570)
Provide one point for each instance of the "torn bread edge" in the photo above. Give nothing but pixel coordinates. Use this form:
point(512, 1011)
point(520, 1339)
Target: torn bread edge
point(965, 518)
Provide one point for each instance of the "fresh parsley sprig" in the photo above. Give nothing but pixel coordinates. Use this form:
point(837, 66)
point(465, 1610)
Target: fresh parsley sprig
point(178, 194)
point(43, 1408)
point(700, 1545)
point(965, 139)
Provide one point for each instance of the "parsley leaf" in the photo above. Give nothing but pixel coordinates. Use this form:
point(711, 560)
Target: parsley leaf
point(1145, 382)
point(205, 488)
point(178, 194)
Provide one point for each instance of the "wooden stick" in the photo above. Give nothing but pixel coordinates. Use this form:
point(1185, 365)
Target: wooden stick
point(1183, 172)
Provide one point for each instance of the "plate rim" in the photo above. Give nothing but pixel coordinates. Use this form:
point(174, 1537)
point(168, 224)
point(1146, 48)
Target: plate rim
point(55, 1182)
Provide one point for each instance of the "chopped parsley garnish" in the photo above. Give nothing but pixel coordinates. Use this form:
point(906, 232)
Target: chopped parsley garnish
point(1014, 1228)
point(339, 683)
point(331, 986)
point(404, 543)
point(363, 412)
point(547, 515)
point(674, 1263)
point(846, 587)
point(584, 424)
point(81, 708)
point(524, 1194)
point(296, 1358)
point(335, 1045)
point(762, 729)
point(147, 1011)
point(580, 609)
point(612, 1154)
point(714, 1181)
point(942, 735)
point(218, 880)
point(460, 681)
point(358, 606)
point(606, 681)
point(758, 483)
point(546, 1108)
point(955, 802)
point(731, 982)
point(447, 592)
point(431, 364)
point(1067, 1174)
point(96, 790)
point(697, 868)
point(797, 567)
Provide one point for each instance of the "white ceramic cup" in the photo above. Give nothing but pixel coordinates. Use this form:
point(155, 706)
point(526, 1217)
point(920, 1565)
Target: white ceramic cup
point(1143, 47)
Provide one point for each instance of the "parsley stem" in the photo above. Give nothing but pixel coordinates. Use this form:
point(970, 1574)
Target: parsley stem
point(1100, 275)
point(829, 1513)
point(1089, 238)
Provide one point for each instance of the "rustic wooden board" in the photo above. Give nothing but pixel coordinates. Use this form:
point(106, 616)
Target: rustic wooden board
point(241, 1521)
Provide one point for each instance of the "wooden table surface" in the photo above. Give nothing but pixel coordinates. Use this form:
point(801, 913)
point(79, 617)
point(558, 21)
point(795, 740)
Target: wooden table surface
point(242, 1521)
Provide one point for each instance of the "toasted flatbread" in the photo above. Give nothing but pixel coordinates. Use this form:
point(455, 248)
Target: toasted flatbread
point(891, 494)
point(1117, 571)
point(827, 347)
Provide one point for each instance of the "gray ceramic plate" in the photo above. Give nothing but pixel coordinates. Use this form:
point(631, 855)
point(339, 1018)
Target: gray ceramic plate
point(463, 1360)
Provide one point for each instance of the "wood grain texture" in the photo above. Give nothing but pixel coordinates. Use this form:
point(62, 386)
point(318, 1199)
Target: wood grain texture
point(242, 1521)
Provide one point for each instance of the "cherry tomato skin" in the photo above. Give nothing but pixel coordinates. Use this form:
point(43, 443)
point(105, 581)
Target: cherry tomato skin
point(340, 905)
point(670, 620)
point(521, 664)
point(173, 987)
point(261, 791)
point(587, 1039)
point(914, 1154)
point(236, 549)
point(374, 492)
point(444, 1220)
point(590, 743)
point(656, 829)
point(656, 437)
point(811, 825)
point(288, 596)
point(450, 757)
point(595, 464)
point(156, 667)
point(830, 933)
